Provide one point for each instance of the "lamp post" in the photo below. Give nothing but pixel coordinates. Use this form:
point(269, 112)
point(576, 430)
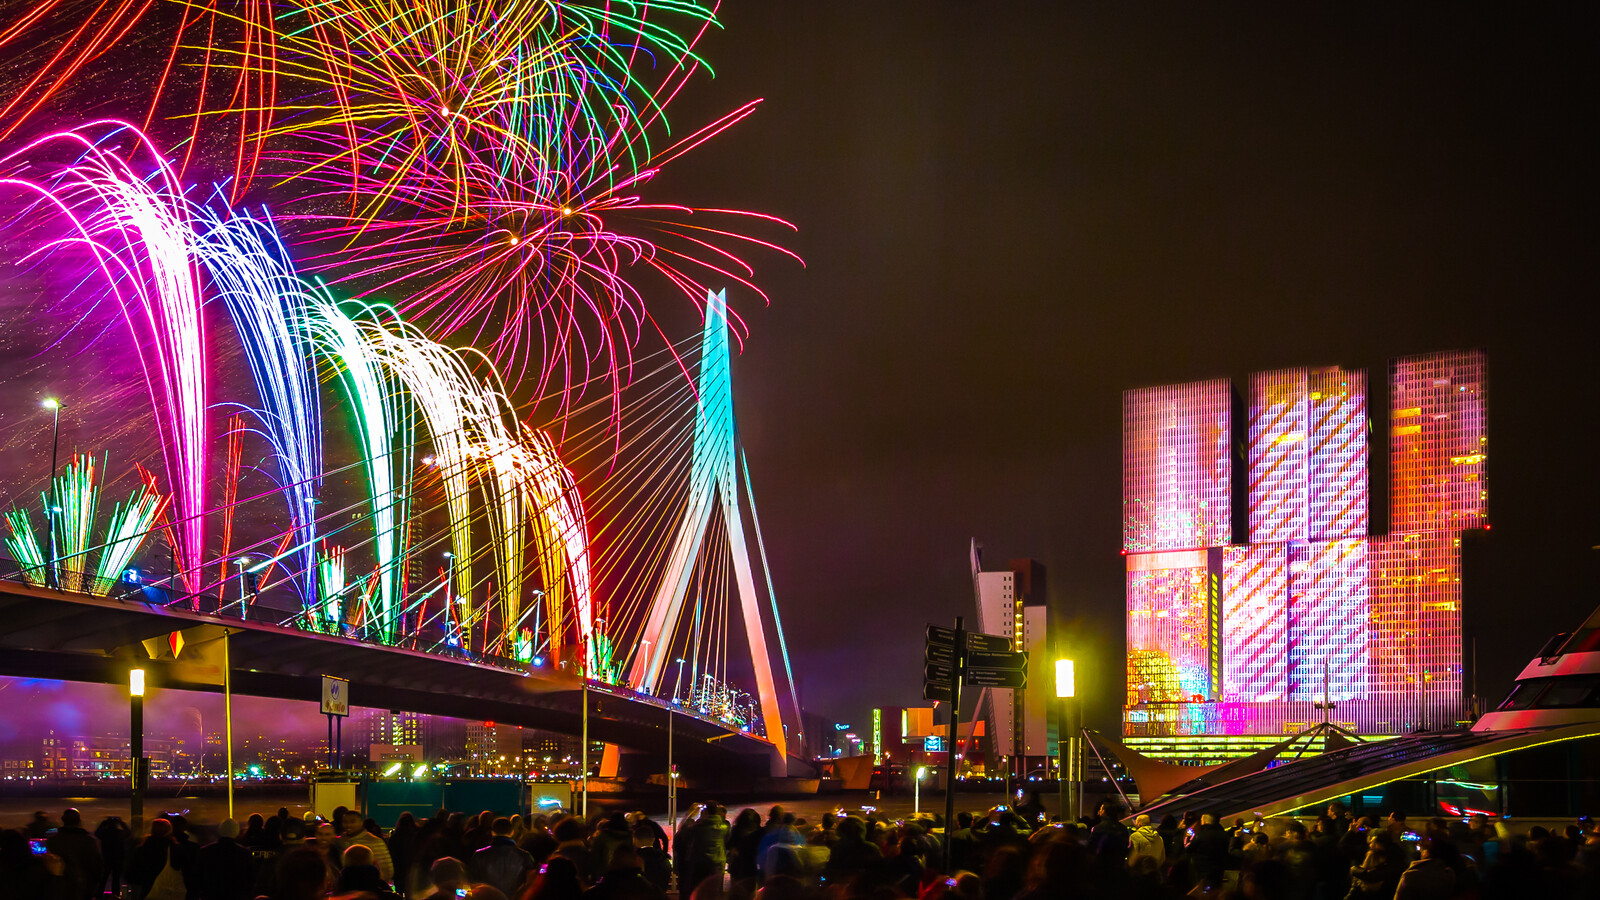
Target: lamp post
point(54, 504)
point(916, 791)
point(136, 746)
point(243, 563)
point(1071, 772)
point(672, 770)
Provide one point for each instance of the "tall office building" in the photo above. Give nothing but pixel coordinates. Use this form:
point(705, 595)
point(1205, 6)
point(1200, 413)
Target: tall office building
point(1011, 602)
point(1230, 645)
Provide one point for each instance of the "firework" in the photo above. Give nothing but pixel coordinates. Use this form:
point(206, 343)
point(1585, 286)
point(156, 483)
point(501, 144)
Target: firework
point(543, 271)
point(348, 336)
point(251, 272)
point(125, 209)
point(331, 585)
point(129, 526)
point(24, 547)
point(76, 496)
point(506, 88)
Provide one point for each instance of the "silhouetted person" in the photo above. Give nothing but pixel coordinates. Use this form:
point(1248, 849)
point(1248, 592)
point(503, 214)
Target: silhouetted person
point(82, 865)
point(502, 863)
point(114, 837)
point(225, 869)
point(157, 865)
point(24, 876)
point(302, 875)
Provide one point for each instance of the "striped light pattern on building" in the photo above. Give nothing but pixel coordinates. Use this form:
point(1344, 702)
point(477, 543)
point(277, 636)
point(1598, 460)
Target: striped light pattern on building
point(1167, 622)
point(1327, 619)
point(1313, 604)
point(1278, 426)
point(1175, 472)
point(1308, 455)
point(1255, 631)
point(1336, 461)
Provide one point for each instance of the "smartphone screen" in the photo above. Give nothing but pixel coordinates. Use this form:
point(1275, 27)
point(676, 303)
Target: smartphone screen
point(37, 846)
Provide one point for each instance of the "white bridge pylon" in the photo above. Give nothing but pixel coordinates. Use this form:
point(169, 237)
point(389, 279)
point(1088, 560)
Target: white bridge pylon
point(713, 482)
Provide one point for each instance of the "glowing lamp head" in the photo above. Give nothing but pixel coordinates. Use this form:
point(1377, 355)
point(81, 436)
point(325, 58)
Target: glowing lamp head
point(51, 403)
point(419, 771)
point(922, 772)
point(135, 682)
point(566, 210)
point(1065, 684)
point(392, 770)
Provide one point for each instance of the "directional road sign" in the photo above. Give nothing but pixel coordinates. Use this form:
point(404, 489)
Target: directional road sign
point(934, 672)
point(939, 692)
point(988, 643)
point(996, 678)
point(978, 659)
point(938, 653)
point(940, 636)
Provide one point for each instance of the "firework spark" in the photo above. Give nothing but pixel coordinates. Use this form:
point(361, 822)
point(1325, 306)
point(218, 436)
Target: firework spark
point(125, 209)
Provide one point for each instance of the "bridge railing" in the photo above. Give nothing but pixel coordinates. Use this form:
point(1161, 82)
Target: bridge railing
point(262, 611)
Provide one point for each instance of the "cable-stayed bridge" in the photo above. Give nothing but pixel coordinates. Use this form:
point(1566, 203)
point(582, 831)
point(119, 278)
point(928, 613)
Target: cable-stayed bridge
point(441, 553)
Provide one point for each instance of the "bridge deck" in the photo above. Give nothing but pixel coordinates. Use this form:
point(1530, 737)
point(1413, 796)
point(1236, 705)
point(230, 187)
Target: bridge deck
point(75, 637)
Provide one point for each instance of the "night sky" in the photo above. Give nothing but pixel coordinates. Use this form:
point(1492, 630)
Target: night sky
point(1010, 213)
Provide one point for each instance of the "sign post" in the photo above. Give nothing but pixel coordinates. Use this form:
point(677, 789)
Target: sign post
point(947, 644)
point(335, 705)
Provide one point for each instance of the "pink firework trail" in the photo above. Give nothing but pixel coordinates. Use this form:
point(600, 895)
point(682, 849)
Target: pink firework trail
point(541, 270)
point(104, 190)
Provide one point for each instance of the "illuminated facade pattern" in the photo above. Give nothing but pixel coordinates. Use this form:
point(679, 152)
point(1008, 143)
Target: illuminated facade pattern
point(1278, 456)
point(1336, 461)
point(1312, 604)
point(1255, 630)
point(1414, 629)
point(1327, 619)
point(1308, 455)
point(1175, 472)
point(1439, 442)
point(1167, 620)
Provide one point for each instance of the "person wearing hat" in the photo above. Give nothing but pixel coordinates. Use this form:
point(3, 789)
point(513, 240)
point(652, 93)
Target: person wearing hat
point(225, 870)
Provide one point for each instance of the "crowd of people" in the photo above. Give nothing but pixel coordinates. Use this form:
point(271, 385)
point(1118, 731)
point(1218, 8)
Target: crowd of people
point(1001, 854)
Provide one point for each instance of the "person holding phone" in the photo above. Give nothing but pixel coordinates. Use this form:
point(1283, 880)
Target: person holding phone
point(27, 874)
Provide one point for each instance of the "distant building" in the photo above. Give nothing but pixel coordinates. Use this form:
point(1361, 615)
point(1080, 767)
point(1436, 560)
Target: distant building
point(76, 757)
point(377, 726)
point(1011, 602)
point(493, 748)
point(1255, 585)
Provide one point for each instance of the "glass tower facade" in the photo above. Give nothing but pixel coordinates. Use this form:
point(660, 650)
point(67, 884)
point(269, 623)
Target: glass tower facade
point(1243, 639)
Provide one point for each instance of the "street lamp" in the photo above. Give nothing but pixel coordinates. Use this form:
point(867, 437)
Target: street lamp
point(243, 563)
point(916, 791)
point(136, 746)
point(54, 506)
point(1071, 773)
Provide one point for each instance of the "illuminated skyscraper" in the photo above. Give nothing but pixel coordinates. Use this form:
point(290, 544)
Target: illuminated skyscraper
point(1175, 472)
point(1230, 645)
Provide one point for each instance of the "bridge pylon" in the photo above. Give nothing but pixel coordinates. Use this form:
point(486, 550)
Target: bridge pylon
point(713, 485)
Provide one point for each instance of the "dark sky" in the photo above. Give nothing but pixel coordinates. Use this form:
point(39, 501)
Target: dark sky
point(1010, 213)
